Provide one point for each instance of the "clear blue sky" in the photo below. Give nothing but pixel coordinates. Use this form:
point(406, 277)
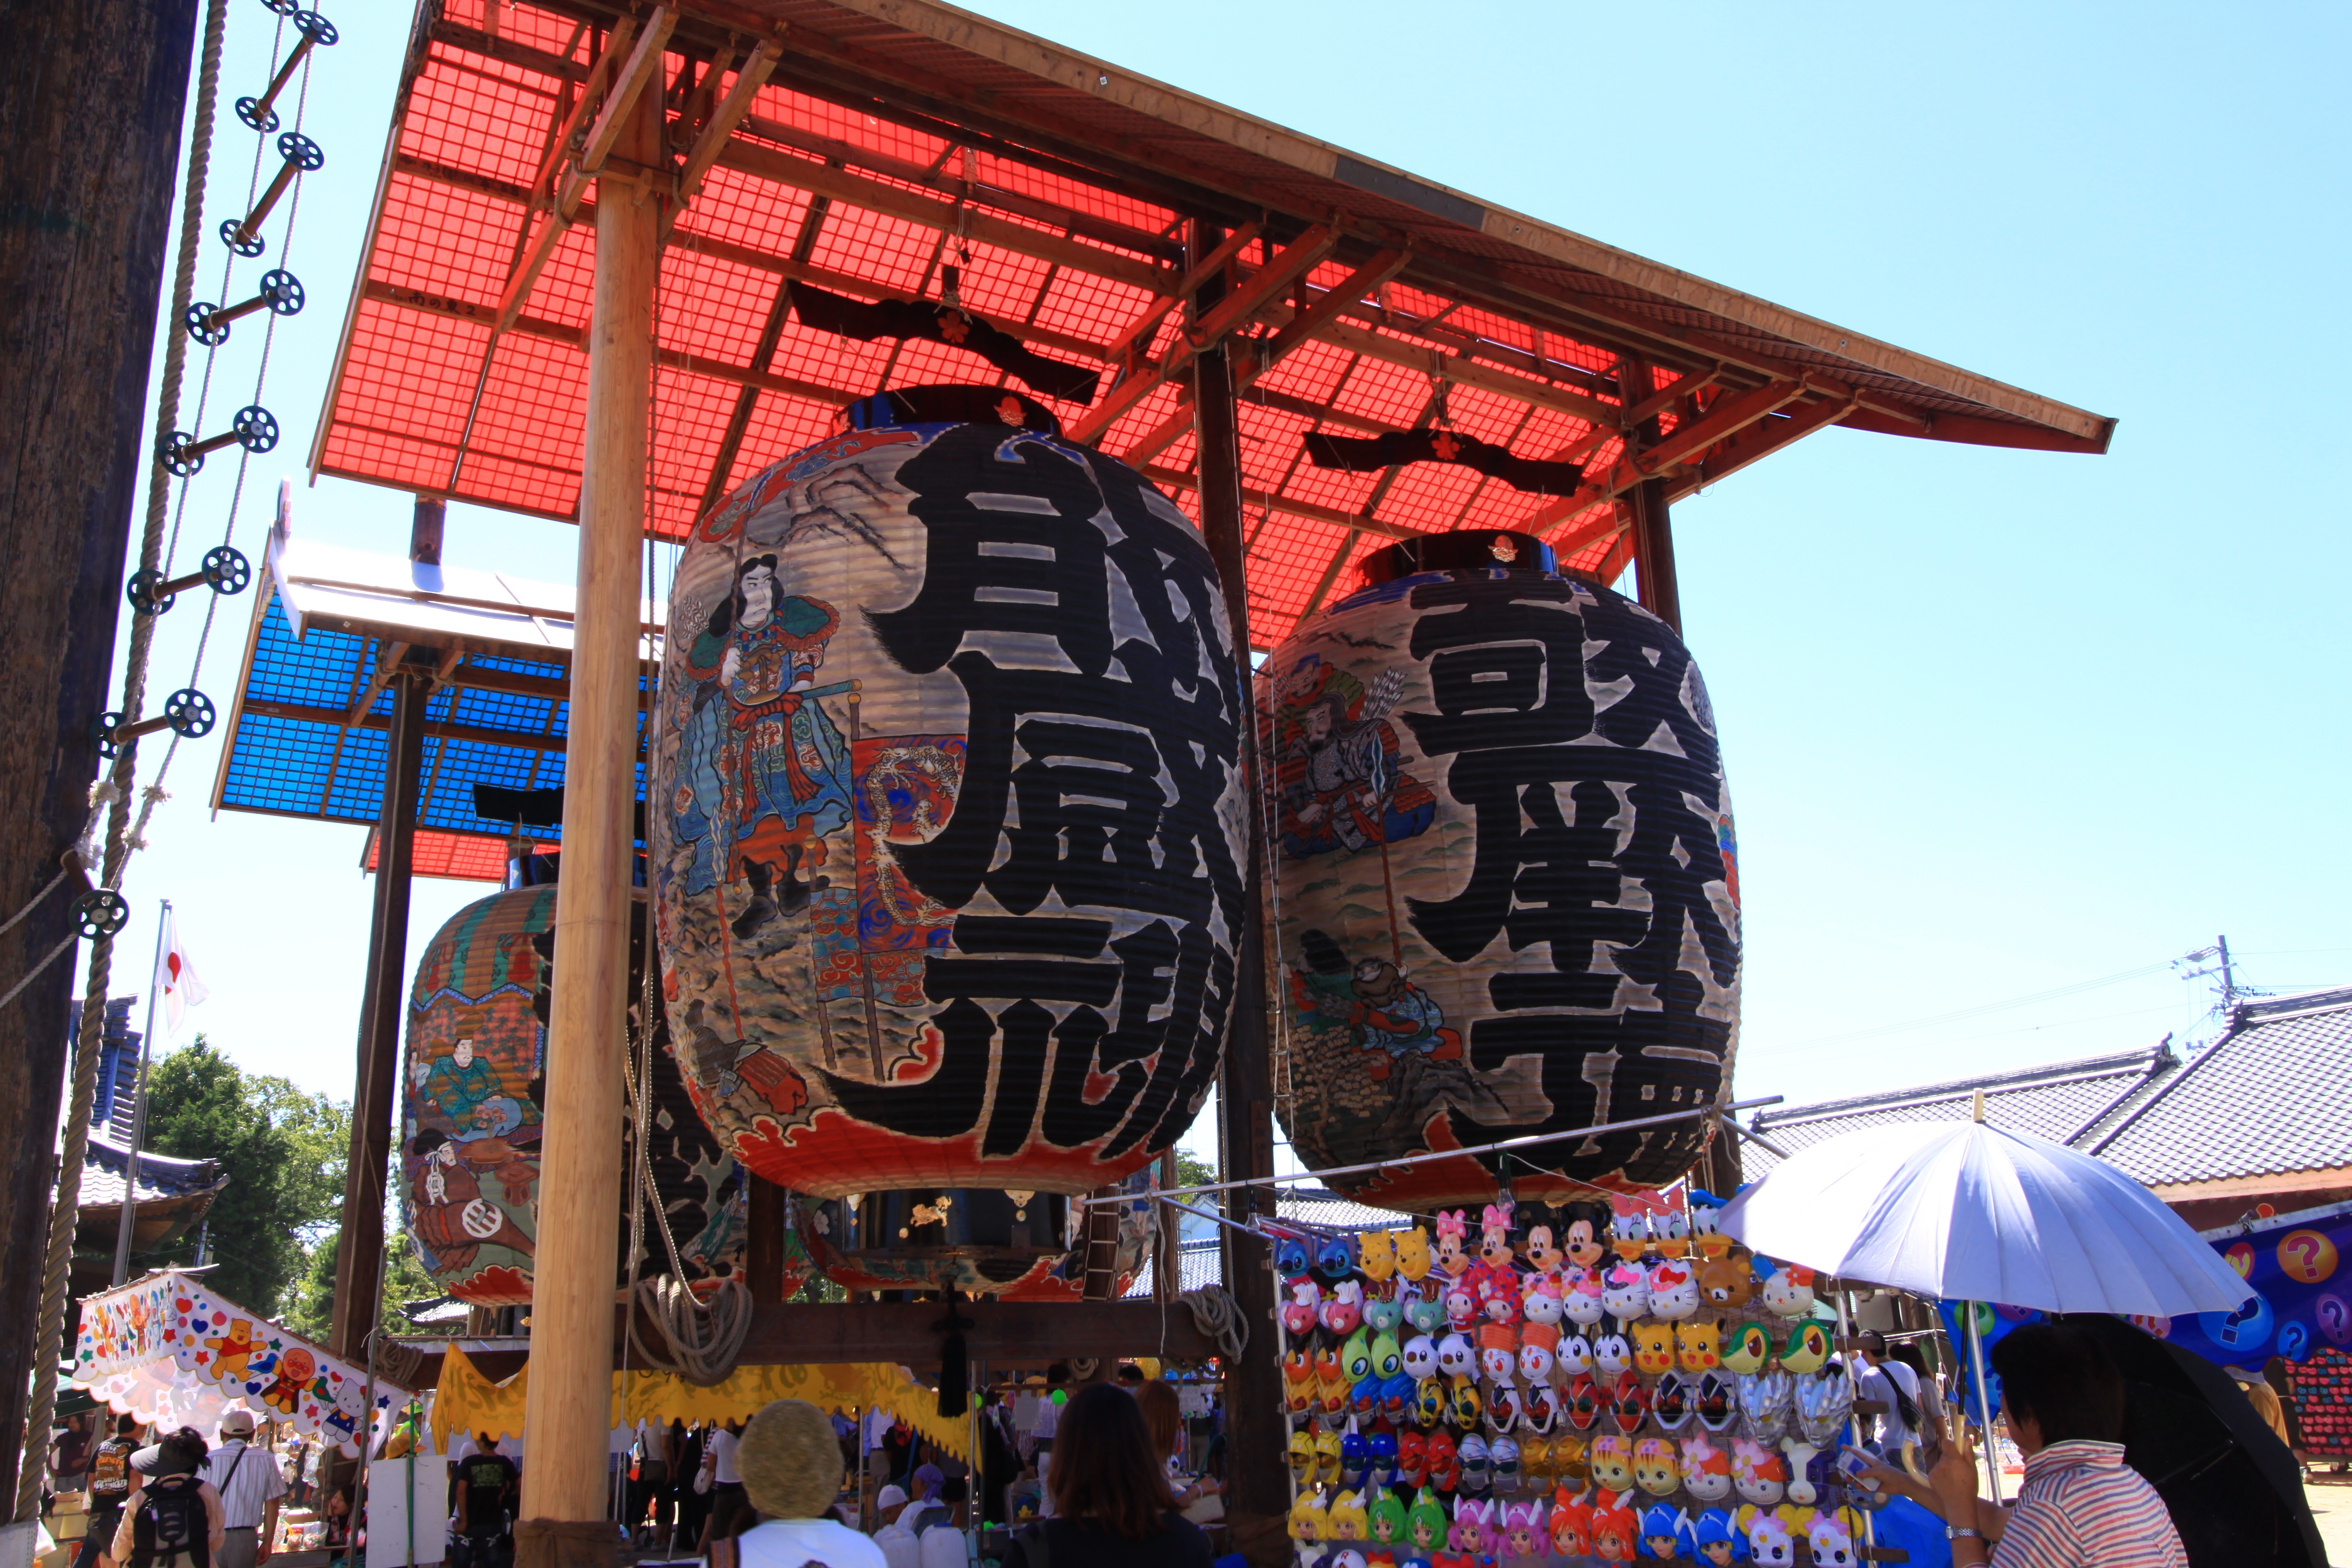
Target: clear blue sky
point(1998, 722)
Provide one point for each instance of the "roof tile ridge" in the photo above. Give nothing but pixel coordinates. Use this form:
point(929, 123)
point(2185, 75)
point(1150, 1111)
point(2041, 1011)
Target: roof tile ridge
point(2073, 1070)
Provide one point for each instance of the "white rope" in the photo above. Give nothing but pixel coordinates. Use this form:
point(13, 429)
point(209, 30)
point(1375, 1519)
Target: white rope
point(1218, 1317)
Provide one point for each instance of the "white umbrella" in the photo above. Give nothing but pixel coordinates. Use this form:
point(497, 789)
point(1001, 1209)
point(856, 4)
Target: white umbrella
point(1967, 1212)
point(1962, 1211)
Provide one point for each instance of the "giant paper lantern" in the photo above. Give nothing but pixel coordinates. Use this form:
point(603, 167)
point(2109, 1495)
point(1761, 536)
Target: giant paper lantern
point(946, 823)
point(1507, 893)
point(472, 1084)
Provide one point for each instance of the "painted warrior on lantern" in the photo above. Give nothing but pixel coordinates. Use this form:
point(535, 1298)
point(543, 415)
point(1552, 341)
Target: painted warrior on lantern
point(1338, 775)
point(767, 773)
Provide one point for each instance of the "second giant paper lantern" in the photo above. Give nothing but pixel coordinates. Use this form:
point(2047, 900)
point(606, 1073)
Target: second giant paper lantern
point(1508, 895)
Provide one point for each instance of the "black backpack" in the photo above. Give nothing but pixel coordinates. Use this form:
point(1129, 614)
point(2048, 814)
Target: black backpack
point(170, 1519)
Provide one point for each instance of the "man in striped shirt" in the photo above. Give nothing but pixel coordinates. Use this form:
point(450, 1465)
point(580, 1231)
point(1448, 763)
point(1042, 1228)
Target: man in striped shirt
point(250, 1486)
point(2081, 1505)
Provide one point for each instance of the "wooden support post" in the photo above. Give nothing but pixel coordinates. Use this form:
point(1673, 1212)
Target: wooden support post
point(763, 1240)
point(359, 1248)
point(579, 1186)
point(1254, 1435)
point(88, 188)
point(1653, 538)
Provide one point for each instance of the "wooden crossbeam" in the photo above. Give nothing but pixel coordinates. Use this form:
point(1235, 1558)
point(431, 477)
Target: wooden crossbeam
point(388, 657)
point(1176, 480)
point(1727, 418)
point(1348, 293)
point(712, 138)
point(1763, 439)
point(312, 714)
point(1138, 335)
point(931, 212)
point(1247, 297)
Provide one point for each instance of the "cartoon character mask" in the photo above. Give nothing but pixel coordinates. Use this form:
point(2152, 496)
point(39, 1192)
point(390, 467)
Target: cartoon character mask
point(1658, 1469)
point(1715, 1401)
point(1347, 1520)
point(1452, 1237)
point(1629, 1235)
point(1611, 1356)
point(1418, 1356)
point(1707, 1232)
point(1726, 1282)
point(1298, 1312)
point(1542, 1255)
point(1574, 1355)
point(1674, 1291)
point(1699, 1347)
point(1580, 1298)
point(1335, 1260)
point(1748, 1349)
point(1498, 1363)
point(1291, 1257)
point(1455, 1356)
point(1717, 1538)
point(1327, 1459)
point(1411, 1253)
point(1801, 1456)
point(1425, 1525)
point(1613, 1462)
point(1310, 1521)
point(1298, 1382)
point(1625, 1291)
point(1376, 1254)
point(1807, 1349)
point(1342, 1312)
point(1665, 1532)
point(1425, 1312)
point(1385, 1519)
point(1541, 1303)
point(1302, 1457)
point(1706, 1470)
point(1654, 1347)
point(1830, 1532)
point(1412, 1458)
point(1670, 1402)
point(1790, 1291)
point(1583, 1237)
point(1535, 1363)
point(1758, 1473)
point(1770, 1544)
point(1616, 1533)
point(1571, 1526)
point(1629, 1404)
point(1383, 1315)
point(1388, 1358)
point(1582, 1406)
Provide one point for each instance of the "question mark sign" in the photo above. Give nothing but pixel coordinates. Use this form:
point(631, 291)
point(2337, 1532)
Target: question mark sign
point(2307, 1255)
point(2335, 1319)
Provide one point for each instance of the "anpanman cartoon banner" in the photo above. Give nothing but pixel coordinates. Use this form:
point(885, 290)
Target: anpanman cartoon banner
point(168, 1348)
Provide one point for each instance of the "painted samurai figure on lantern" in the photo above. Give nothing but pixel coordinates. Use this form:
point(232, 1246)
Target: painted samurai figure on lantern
point(770, 775)
point(948, 869)
point(1336, 767)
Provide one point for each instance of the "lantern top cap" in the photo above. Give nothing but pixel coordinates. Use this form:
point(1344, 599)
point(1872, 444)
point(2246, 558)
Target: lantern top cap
point(1468, 550)
point(952, 403)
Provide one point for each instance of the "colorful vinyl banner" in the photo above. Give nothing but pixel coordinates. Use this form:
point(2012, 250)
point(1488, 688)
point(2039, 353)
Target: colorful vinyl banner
point(2299, 1296)
point(168, 1350)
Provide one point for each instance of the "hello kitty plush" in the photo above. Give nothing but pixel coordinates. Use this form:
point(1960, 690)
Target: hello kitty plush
point(1580, 1297)
point(1541, 1302)
point(1625, 1290)
point(1706, 1470)
point(1674, 1290)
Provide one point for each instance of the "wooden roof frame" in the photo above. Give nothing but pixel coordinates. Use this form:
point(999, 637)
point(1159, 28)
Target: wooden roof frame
point(1742, 377)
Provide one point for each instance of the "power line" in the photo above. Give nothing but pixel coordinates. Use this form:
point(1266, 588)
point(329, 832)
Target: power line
point(1963, 1013)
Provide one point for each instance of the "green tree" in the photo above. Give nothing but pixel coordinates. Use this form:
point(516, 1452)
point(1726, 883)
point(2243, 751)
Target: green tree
point(405, 1280)
point(1192, 1171)
point(282, 1151)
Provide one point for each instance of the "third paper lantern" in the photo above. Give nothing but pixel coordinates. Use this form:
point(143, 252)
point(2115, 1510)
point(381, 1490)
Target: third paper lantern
point(1507, 887)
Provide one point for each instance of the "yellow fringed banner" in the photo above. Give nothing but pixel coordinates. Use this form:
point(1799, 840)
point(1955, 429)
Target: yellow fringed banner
point(466, 1401)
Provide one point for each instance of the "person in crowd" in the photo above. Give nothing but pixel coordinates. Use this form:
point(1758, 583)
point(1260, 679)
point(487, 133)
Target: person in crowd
point(337, 1516)
point(1894, 1385)
point(1025, 1499)
point(650, 1487)
point(1048, 1423)
point(690, 1483)
point(926, 1509)
point(250, 1488)
point(727, 1495)
point(1111, 1503)
point(2080, 1505)
point(2261, 1395)
point(790, 1470)
point(109, 1488)
point(899, 1547)
point(489, 1487)
point(173, 1519)
point(1163, 1418)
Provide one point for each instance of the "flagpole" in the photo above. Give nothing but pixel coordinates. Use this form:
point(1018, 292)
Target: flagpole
point(138, 1113)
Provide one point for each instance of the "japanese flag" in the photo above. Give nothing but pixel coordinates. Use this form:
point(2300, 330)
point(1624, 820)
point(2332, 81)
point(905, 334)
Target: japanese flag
point(177, 980)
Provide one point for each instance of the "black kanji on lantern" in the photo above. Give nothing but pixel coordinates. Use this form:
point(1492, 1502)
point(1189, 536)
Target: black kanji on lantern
point(1095, 762)
point(1582, 743)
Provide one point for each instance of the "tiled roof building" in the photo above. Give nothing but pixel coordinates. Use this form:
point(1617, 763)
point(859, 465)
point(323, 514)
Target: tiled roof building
point(2261, 1116)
